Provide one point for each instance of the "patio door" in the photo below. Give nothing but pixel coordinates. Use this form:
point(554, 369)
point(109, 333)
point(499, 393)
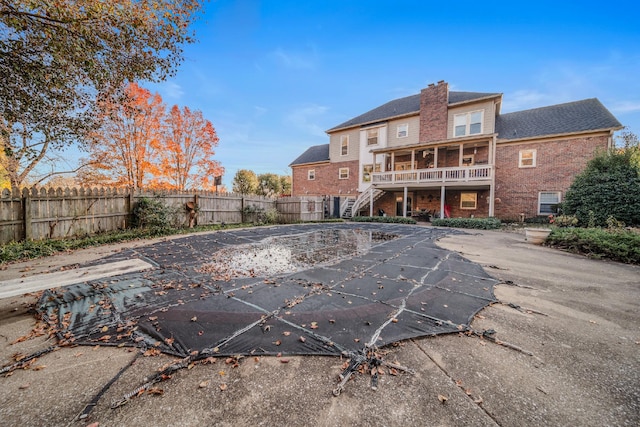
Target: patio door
point(399, 210)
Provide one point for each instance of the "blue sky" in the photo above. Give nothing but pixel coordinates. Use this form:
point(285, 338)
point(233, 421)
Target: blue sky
point(272, 76)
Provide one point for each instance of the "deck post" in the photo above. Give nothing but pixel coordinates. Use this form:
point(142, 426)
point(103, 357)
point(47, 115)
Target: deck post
point(404, 203)
point(371, 200)
point(442, 195)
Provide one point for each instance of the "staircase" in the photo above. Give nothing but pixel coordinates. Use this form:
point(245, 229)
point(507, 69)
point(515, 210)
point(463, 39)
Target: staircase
point(361, 202)
point(347, 208)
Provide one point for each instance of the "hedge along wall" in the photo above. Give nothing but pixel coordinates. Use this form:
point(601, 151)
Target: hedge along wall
point(41, 213)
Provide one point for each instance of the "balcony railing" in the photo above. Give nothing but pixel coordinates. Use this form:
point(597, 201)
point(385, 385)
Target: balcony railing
point(434, 175)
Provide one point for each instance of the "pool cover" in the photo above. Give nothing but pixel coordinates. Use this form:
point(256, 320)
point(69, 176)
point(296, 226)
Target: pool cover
point(324, 289)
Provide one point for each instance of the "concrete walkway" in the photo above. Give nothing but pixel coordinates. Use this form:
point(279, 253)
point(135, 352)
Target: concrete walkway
point(570, 329)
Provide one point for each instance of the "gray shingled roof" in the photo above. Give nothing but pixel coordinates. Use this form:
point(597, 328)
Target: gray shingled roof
point(578, 116)
point(455, 97)
point(406, 105)
point(315, 154)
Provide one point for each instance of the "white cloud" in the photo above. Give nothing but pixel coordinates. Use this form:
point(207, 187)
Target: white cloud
point(304, 119)
point(626, 107)
point(525, 99)
point(170, 90)
point(298, 61)
point(259, 111)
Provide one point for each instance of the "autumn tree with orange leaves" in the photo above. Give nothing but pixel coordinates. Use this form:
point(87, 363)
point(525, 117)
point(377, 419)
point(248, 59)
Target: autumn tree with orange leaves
point(123, 150)
point(140, 145)
point(186, 151)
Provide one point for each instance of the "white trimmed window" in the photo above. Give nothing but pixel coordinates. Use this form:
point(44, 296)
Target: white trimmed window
point(367, 170)
point(468, 200)
point(344, 145)
point(527, 158)
point(311, 174)
point(468, 123)
point(403, 130)
point(372, 136)
point(343, 173)
point(548, 202)
point(468, 160)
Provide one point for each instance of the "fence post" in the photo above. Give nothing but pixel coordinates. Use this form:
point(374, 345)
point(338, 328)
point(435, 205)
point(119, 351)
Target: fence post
point(26, 216)
point(242, 209)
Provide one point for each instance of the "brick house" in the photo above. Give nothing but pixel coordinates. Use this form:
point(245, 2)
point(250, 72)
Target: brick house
point(453, 154)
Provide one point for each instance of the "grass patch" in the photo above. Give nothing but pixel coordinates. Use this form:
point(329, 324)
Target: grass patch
point(16, 251)
point(617, 245)
point(476, 223)
point(384, 219)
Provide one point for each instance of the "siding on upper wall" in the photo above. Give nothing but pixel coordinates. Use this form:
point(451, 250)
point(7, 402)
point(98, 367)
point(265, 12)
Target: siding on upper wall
point(413, 137)
point(489, 118)
point(335, 148)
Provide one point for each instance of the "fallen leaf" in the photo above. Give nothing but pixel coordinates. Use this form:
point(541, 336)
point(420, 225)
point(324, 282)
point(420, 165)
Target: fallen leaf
point(302, 339)
point(104, 338)
point(23, 386)
point(194, 319)
point(104, 329)
point(443, 399)
point(38, 368)
point(478, 401)
point(155, 391)
point(286, 333)
point(204, 384)
point(223, 387)
point(283, 360)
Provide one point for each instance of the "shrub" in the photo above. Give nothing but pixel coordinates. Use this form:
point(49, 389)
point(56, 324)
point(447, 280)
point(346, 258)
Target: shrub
point(617, 245)
point(477, 223)
point(609, 186)
point(271, 216)
point(385, 219)
point(565, 221)
point(152, 213)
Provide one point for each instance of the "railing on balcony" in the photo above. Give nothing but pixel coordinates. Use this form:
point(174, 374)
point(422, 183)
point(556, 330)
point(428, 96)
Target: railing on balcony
point(434, 175)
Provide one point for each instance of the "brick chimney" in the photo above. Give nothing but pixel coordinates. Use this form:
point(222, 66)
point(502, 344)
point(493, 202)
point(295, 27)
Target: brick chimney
point(434, 103)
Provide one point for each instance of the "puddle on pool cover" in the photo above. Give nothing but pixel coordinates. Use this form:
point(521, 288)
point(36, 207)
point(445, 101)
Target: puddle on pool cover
point(278, 255)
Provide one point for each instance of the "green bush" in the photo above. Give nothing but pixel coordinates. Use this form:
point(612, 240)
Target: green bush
point(385, 219)
point(565, 221)
point(609, 186)
point(477, 223)
point(617, 245)
point(152, 213)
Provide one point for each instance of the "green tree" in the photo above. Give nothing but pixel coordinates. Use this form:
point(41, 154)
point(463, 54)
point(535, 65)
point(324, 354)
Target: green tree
point(285, 181)
point(55, 57)
point(609, 186)
point(245, 182)
point(269, 185)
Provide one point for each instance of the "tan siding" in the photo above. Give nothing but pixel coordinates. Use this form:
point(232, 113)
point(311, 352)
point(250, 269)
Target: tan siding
point(489, 117)
point(412, 137)
point(334, 145)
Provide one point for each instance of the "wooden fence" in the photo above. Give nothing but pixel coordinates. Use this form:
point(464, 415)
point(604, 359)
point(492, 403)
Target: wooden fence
point(41, 213)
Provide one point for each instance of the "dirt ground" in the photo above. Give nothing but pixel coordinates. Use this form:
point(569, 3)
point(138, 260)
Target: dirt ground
point(568, 354)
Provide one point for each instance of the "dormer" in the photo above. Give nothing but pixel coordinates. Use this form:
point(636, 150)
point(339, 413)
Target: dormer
point(472, 113)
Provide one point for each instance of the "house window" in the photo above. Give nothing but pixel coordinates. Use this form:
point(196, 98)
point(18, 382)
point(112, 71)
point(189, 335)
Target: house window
point(372, 136)
point(468, 200)
point(343, 173)
point(548, 202)
point(468, 123)
point(527, 159)
point(367, 170)
point(403, 130)
point(467, 160)
point(311, 174)
point(344, 145)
